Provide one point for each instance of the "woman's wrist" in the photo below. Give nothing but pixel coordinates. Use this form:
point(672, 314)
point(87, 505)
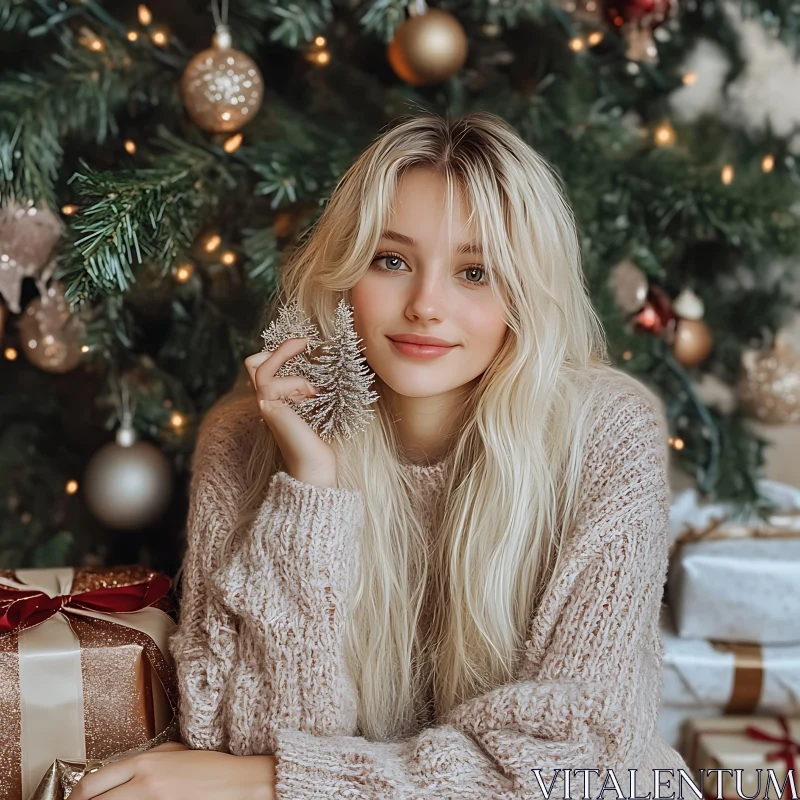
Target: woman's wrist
point(260, 779)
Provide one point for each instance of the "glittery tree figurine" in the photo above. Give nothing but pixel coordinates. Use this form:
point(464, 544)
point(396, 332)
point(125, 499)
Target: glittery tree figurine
point(292, 323)
point(343, 378)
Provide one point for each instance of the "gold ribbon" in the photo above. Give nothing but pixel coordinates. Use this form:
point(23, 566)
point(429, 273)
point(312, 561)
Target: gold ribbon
point(776, 526)
point(748, 676)
point(51, 685)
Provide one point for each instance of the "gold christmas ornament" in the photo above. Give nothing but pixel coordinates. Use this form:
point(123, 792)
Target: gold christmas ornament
point(28, 236)
point(693, 342)
point(222, 88)
point(629, 286)
point(50, 335)
point(429, 47)
point(769, 387)
point(128, 483)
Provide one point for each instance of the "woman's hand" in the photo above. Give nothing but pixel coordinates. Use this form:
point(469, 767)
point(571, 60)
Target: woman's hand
point(307, 457)
point(172, 772)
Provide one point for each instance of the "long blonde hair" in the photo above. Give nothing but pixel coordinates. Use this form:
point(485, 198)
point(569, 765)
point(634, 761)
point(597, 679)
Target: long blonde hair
point(511, 493)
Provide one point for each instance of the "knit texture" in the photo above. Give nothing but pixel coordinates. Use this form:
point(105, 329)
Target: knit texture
point(260, 645)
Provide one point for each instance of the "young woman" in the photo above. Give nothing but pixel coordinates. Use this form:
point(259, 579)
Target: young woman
point(468, 590)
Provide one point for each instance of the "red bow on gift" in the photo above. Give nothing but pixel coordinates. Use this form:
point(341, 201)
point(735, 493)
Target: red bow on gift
point(22, 608)
point(790, 748)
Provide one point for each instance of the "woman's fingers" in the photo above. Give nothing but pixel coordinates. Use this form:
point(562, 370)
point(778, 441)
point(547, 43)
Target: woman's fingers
point(104, 779)
point(263, 366)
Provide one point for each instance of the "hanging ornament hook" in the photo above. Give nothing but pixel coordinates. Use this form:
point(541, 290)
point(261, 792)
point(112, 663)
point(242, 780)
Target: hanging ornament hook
point(222, 37)
point(126, 433)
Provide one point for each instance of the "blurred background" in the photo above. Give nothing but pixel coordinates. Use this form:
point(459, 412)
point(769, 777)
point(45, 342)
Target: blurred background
point(159, 162)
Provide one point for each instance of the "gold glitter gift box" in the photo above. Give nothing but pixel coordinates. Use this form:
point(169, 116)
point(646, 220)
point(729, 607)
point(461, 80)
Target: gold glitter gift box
point(85, 669)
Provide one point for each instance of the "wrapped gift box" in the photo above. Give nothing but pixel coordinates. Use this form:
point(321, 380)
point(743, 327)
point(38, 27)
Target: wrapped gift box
point(737, 590)
point(748, 744)
point(711, 678)
point(732, 578)
point(85, 670)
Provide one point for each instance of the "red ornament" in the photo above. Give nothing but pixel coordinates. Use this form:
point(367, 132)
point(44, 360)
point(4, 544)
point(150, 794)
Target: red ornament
point(657, 316)
point(636, 20)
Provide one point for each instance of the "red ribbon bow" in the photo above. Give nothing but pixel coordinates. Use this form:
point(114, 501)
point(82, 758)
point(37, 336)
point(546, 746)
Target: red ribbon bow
point(790, 748)
point(23, 608)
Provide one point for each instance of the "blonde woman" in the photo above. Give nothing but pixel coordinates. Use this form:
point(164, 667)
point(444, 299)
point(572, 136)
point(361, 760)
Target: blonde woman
point(462, 601)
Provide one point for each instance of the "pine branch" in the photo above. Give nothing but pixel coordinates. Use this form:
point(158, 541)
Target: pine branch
point(129, 216)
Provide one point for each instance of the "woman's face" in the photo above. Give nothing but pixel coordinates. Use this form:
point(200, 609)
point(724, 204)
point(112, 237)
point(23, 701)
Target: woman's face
point(427, 289)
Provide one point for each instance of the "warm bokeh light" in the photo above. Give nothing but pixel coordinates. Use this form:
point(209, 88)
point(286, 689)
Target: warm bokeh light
point(71, 487)
point(727, 174)
point(145, 17)
point(68, 209)
point(130, 146)
point(595, 38)
point(177, 420)
point(10, 353)
point(159, 38)
point(576, 44)
point(212, 243)
point(676, 443)
point(319, 41)
point(132, 36)
point(184, 272)
point(228, 258)
point(768, 163)
point(627, 355)
point(232, 144)
point(664, 135)
point(323, 57)
point(689, 78)
point(85, 348)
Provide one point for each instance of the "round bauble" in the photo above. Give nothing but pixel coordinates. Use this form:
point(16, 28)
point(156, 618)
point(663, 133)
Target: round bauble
point(769, 386)
point(128, 484)
point(693, 342)
point(629, 286)
point(222, 88)
point(428, 48)
point(50, 335)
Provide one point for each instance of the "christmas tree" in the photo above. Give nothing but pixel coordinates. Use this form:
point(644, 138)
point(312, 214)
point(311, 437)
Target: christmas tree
point(158, 164)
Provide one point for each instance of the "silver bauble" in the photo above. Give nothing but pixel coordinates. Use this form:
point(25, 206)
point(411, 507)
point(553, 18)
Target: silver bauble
point(128, 483)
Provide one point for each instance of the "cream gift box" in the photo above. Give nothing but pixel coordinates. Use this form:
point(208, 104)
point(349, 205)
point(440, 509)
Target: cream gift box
point(737, 590)
point(710, 678)
point(754, 745)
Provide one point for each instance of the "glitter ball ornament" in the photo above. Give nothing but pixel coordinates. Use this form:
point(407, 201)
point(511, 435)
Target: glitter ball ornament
point(222, 88)
point(128, 483)
point(429, 47)
point(50, 335)
point(28, 236)
point(769, 386)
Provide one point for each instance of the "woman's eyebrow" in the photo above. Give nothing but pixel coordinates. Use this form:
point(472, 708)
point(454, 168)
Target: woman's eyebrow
point(401, 237)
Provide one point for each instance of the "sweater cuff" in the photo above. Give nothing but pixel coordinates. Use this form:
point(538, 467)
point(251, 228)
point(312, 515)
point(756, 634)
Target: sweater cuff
point(309, 767)
point(316, 525)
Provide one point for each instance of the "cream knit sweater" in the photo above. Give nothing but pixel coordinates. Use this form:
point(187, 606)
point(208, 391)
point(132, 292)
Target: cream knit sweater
point(259, 648)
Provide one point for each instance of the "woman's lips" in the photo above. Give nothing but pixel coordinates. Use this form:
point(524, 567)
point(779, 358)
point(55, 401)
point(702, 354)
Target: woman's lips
point(420, 350)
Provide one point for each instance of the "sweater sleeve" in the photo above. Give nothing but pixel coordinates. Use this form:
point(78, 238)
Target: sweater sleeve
point(281, 590)
point(303, 547)
point(586, 694)
point(204, 641)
